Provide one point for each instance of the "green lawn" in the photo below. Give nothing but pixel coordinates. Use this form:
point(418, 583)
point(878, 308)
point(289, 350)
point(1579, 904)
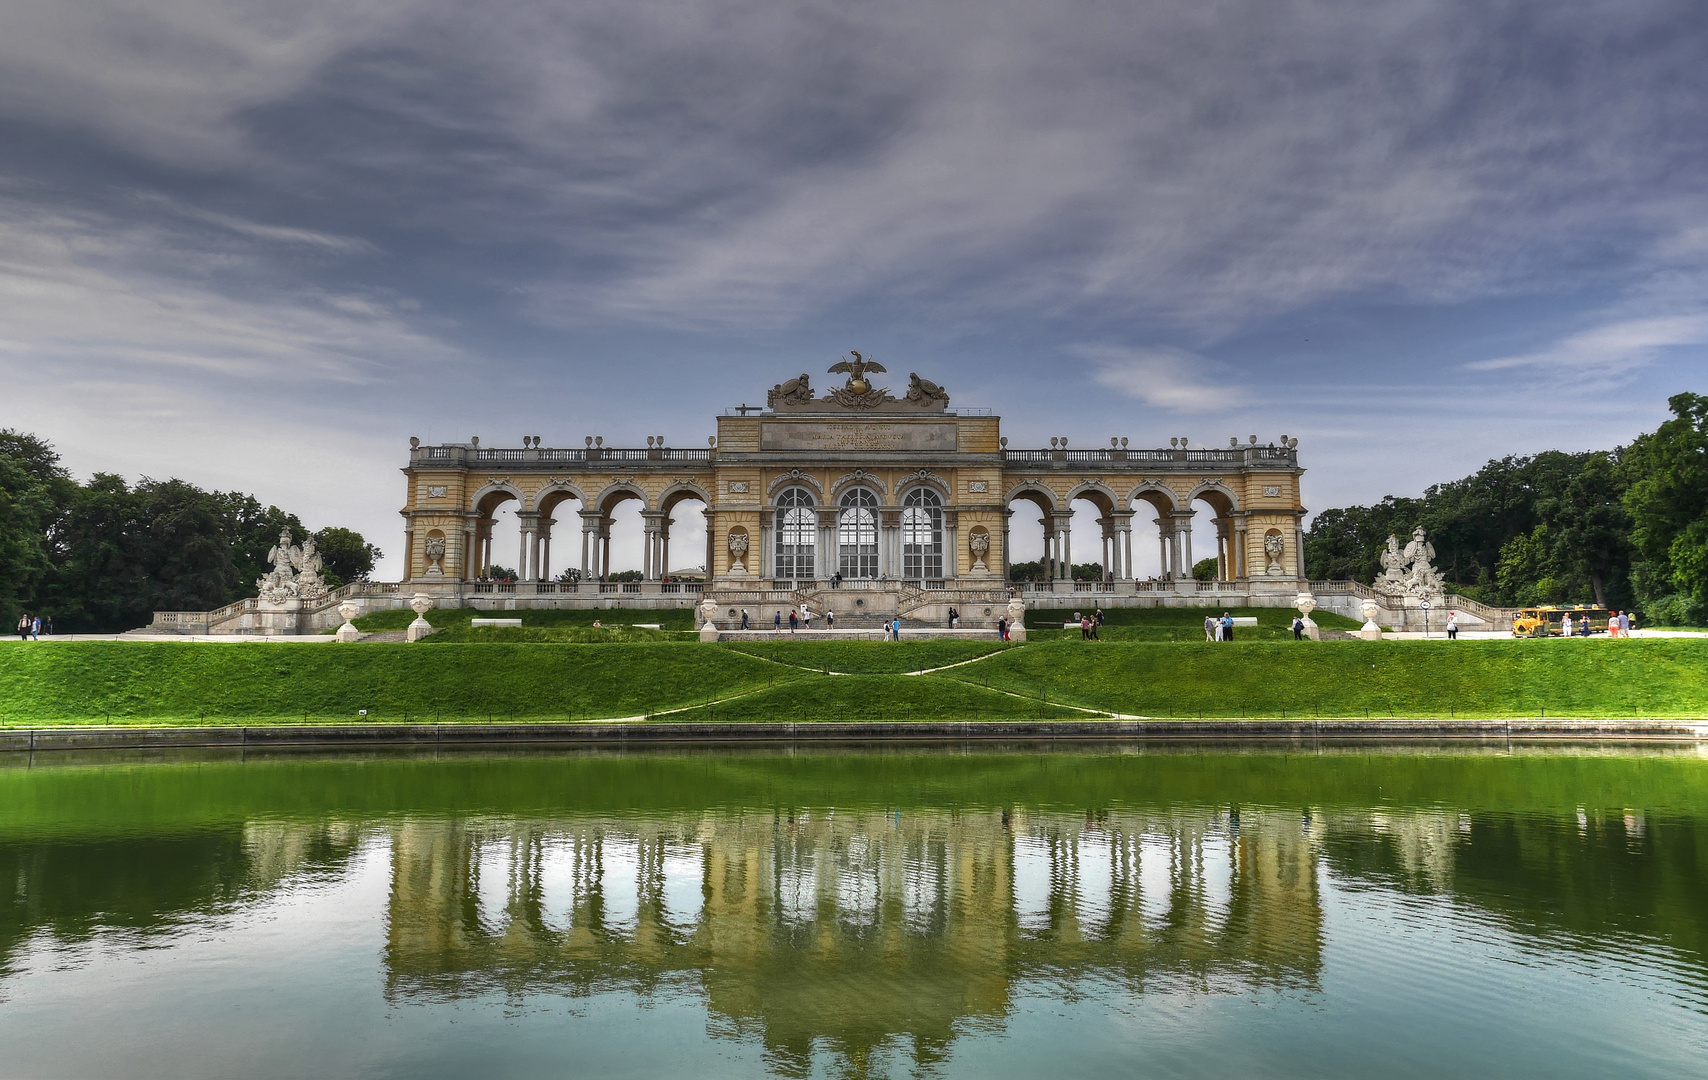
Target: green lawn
point(453, 618)
point(1175, 624)
point(169, 682)
point(1352, 678)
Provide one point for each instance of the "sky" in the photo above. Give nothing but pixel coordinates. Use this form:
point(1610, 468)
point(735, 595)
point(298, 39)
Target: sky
point(259, 246)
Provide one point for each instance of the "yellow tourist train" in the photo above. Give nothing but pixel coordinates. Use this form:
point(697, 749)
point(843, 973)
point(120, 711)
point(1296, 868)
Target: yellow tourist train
point(1548, 621)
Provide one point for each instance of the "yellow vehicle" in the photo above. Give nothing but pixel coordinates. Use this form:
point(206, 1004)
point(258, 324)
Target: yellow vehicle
point(1549, 621)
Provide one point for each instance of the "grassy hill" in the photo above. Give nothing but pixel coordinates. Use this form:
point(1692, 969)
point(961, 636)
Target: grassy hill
point(45, 683)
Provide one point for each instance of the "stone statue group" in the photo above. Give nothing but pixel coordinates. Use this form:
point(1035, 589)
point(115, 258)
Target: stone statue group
point(295, 574)
point(1408, 574)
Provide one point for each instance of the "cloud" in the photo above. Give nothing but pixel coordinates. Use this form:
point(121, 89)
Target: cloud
point(1166, 378)
point(1610, 348)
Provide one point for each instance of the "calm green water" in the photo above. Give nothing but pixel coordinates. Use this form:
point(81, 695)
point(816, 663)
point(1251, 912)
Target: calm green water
point(917, 913)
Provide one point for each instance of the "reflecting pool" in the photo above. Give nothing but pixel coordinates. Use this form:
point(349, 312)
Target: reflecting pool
point(957, 912)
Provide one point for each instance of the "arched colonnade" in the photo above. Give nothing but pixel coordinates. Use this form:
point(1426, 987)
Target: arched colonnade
point(1174, 516)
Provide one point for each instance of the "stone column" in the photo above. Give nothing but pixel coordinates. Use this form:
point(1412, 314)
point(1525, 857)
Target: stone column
point(1065, 528)
point(664, 546)
point(764, 561)
point(951, 544)
point(1007, 514)
point(470, 534)
point(826, 559)
point(1121, 521)
point(1221, 549)
point(1241, 570)
point(409, 559)
point(652, 522)
point(1183, 537)
point(1164, 531)
point(589, 545)
point(889, 543)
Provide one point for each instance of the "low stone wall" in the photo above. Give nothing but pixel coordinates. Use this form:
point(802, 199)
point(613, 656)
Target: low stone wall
point(358, 736)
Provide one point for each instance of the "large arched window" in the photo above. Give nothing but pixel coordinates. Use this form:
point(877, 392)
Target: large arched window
point(797, 532)
point(922, 535)
point(857, 535)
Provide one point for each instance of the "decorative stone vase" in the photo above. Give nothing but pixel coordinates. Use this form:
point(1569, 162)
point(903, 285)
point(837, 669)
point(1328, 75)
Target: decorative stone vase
point(1370, 631)
point(738, 553)
point(1016, 618)
point(708, 619)
point(435, 551)
point(349, 609)
point(420, 628)
point(1306, 603)
point(1273, 546)
point(979, 545)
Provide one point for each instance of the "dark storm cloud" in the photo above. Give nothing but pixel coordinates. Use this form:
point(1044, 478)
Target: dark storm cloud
point(398, 199)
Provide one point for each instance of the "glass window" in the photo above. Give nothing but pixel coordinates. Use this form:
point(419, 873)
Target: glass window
point(797, 533)
point(922, 535)
point(857, 535)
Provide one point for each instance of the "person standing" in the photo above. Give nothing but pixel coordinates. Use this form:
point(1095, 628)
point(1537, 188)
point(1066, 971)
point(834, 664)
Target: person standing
point(1452, 626)
point(1625, 623)
point(794, 620)
point(777, 621)
point(1298, 628)
point(1227, 626)
point(806, 617)
point(1566, 625)
point(829, 619)
point(24, 627)
point(36, 628)
point(744, 618)
point(1210, 626)
point(1002, 629)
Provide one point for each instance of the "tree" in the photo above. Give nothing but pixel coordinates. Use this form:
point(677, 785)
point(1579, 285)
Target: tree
point(1205, 569)
point(1668, 504)
point(34, 491)
point(347, 555)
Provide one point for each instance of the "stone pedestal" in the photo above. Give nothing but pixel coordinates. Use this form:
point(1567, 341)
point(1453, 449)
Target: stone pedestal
point(279, 617)
point(1017, 619)
point(1306, 603)
point(420, 628)
point(1370, 631)
point(349, 609)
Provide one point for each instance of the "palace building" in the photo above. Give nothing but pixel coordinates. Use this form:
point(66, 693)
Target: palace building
point(856, 488)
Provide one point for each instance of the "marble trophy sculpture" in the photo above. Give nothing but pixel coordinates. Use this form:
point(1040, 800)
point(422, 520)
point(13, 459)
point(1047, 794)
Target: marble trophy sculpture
point(1408, 574)
point(295, 576)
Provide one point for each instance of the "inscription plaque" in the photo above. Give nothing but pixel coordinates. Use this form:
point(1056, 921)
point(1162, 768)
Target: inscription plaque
point(861, 435)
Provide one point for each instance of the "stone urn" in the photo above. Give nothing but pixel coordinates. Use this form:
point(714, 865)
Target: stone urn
point(1016, 618)
point(349, 609)
point(1306, 603)
point(738, 553)
point(978, 544)
point(1370, 631)
point(708, 619)
point(420, 628)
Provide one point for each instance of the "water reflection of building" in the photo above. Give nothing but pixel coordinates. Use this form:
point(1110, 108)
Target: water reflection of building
point(851, 930)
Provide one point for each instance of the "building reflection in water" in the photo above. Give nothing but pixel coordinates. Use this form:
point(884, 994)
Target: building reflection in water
point(872, 935)
point(848, 931)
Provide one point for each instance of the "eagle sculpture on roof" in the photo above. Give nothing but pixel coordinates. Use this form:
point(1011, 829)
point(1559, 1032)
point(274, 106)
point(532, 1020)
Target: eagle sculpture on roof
point(856, 370)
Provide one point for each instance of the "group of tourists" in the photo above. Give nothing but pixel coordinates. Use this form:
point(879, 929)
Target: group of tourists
point(1088, 624)
point(32, 627)
point(1618, 625)
point(1221, 629)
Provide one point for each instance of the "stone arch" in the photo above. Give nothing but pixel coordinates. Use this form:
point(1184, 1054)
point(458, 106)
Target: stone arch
point(1097, 493)
point(619, 492)
point(483, 509)
point(1035, 492)
point(925, 478)
point(1102, 528)
point(796, 476)
point(691, 537)
point(558, 491)
point(554, 537)
point(483, 503)
point(1215, 535)
point(1217, 494)
point(1158, 494)
point(858, 478)
point(680, 490)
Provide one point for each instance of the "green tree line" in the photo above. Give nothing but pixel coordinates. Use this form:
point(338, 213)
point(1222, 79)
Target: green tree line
point(1624, 528)
point(101, 556)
